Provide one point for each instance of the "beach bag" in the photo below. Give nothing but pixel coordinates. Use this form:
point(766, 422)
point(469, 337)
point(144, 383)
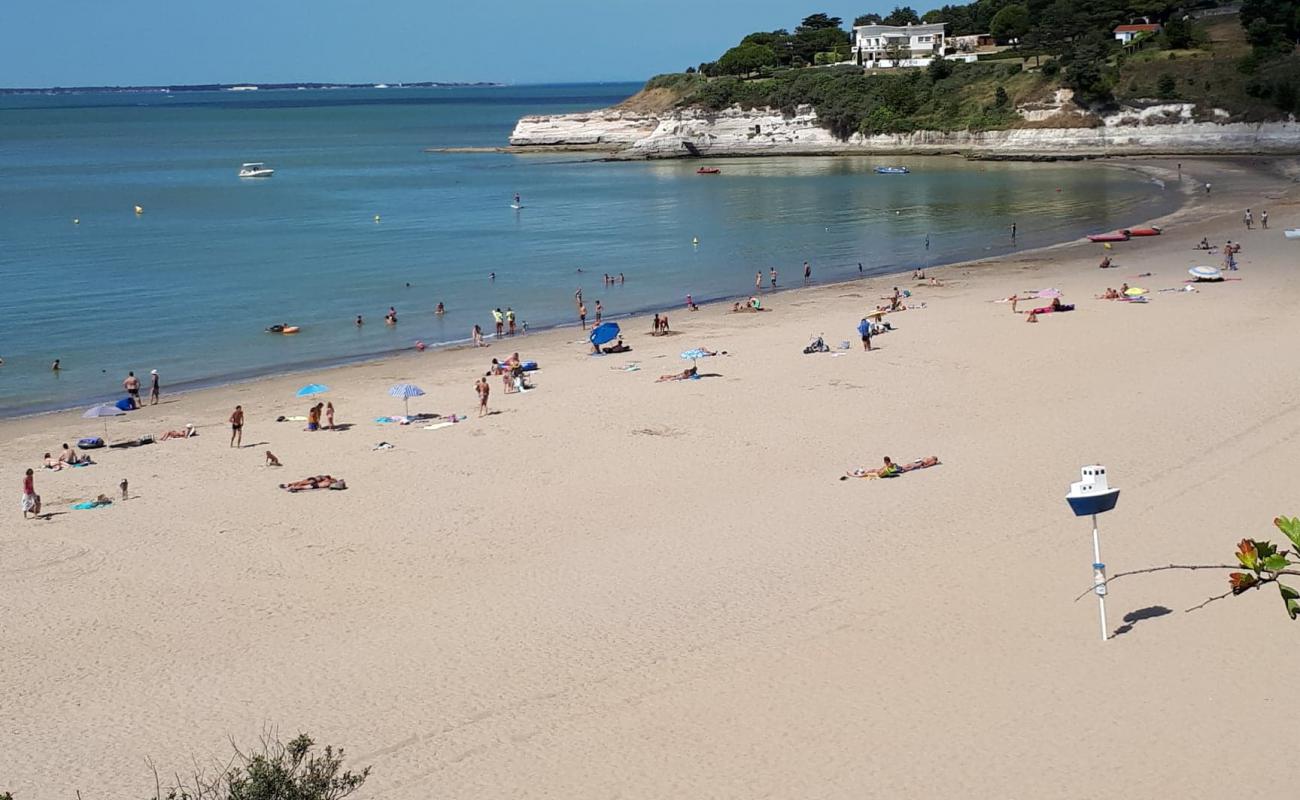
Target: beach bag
point(90, 443)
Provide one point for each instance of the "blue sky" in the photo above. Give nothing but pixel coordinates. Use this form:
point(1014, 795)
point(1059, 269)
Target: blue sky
point(123, 42)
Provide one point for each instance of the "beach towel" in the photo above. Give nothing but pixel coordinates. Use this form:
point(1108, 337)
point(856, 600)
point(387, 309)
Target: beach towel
point(437, 426)
point(290, 419)
point(92, 504)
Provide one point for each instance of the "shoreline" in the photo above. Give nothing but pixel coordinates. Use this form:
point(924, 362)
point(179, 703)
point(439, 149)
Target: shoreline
point(186, 388)
point(681, 579)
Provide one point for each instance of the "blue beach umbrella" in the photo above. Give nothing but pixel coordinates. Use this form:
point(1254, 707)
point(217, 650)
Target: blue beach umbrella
point(601, 334)
point(696, 353)
point(312, 388)
point(406, 391)
point(104, 410)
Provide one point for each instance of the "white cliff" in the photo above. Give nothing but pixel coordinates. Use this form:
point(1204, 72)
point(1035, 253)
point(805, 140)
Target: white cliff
point(737, 132)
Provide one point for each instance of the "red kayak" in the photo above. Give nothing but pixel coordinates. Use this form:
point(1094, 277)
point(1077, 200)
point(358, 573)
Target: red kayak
point(1152, 231)
point(1117, 236)
point(708, 171)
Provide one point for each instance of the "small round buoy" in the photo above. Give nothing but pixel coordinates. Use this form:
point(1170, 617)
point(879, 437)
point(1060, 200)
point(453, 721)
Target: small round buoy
point(76, 221)
point(139, 209)
point(376, 218)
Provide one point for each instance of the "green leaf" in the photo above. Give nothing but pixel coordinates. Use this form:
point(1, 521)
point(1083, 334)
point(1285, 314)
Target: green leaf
point(1247, 555)
point(1290, 526)
point(1265, 549)
point(1292, 599)
point(1275, 563)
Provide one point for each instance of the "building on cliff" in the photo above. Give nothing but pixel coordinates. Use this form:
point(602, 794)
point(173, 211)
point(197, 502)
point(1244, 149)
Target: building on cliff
point(898, 45)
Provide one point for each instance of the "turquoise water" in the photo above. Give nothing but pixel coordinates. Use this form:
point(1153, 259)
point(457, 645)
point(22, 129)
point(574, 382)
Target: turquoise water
point(188, 286)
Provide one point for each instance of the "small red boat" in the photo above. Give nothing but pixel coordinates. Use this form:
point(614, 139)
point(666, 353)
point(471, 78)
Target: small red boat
point(1152, 231)
point(1117, 236)
point(708, 171)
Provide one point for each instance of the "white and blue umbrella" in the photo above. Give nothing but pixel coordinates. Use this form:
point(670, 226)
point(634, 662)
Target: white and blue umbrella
point(104, 410)
point(406, 391)
point(601, 334)
point(1205, 274)
point(313, 388)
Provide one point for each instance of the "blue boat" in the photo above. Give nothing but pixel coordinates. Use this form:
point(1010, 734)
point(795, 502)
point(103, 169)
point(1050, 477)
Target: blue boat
point(892, 170)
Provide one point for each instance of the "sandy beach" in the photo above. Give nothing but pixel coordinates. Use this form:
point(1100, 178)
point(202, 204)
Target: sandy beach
point(613, 587)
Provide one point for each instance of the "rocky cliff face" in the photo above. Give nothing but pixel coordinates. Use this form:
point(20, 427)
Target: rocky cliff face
point(736, 132)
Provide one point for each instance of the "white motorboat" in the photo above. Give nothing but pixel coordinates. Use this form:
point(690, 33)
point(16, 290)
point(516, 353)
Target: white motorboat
point(255, 169)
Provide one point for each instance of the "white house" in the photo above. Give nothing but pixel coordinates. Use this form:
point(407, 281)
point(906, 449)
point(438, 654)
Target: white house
point(913, 45)
point(1127, 33)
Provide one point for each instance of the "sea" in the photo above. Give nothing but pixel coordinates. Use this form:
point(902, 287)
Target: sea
point(362, 215)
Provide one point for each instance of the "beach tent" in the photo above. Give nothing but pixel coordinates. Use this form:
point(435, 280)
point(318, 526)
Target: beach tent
point(602, 334)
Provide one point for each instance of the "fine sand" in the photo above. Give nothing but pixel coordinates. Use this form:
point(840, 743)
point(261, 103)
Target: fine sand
point(613, 587)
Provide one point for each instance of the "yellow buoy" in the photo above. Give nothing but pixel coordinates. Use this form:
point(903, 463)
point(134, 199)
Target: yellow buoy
point(1106, 245)
point(139, 209)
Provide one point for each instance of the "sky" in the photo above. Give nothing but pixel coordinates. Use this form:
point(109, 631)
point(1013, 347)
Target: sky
point(47, 43)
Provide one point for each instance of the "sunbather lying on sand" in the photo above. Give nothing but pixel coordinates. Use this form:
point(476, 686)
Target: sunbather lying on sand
point(318, 482)
point(185, 434)
point(890, 470)
point(684, 375)
point(53, 464)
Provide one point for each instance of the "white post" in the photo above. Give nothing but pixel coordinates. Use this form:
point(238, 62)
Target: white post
point(1099, 577)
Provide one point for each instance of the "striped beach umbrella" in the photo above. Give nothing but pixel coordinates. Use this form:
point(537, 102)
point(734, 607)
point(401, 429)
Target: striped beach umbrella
point(406, 391)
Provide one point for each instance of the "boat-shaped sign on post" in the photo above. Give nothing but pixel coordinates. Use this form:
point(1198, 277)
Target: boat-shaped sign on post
point(1089, 496)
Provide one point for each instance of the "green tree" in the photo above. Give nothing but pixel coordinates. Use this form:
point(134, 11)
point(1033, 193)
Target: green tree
point(817, 22)
point(939, 69)
point(1012, 22)
point(1000, 98)
point(1087, 70)
point(902, 15)
point(866, 19)
point(1179, 34)
point(1167, 87)
point(744, 59)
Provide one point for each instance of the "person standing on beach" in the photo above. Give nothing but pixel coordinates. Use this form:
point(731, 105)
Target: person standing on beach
point(773, 277)
point(582, 314)
point(154, 389)
point(1248, 219)
point(656, 324)
point(510, 319)
point(1207, 188)
point(864, 328)
point(31, 500)
point(1263, 219)
point(600, 310)
point(329, 415)
point(483, 391)
point(807, 272)
point(237, 427)
point(1013, 231)
point(758, 281)
point(499, 319)
point(132, 386)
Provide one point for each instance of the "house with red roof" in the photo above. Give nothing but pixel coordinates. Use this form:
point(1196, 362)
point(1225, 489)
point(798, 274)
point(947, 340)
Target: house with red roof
point(1127, 33)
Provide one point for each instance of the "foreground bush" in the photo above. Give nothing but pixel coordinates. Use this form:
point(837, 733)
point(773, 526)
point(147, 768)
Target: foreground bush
point(275, 771)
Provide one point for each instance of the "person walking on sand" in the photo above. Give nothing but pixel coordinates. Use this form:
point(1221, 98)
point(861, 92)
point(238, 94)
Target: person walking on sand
point(864, 329)
point(483, 390)
point(132, 386)
point(1248, 219)
point(807, 272)
point(600, 310)
point(1263, 219)
point(510, 319)
point(582, 315)
point(31, 500)
point(237, 427)
point(154, 389)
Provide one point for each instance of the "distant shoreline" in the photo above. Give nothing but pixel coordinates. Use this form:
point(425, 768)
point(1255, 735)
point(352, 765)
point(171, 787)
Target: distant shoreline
point(229, 87)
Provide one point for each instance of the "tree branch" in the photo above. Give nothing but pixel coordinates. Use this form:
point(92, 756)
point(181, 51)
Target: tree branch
point(1188, 567)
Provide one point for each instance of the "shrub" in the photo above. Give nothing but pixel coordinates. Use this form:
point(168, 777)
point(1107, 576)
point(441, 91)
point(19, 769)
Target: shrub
point(1167, 87)
point(276, 771)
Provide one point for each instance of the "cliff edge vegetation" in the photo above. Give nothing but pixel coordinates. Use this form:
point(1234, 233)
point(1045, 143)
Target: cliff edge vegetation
point(1058, 65)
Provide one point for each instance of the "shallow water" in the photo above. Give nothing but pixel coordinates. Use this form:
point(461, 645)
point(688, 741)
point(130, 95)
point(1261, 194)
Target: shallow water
point(188, 286)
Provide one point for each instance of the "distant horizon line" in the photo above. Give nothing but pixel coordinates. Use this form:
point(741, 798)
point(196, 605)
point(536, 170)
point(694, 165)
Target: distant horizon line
point(279, 86)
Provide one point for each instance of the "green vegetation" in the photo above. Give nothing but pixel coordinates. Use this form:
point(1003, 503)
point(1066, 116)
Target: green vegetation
point(275, 771)
point(1244, 64)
